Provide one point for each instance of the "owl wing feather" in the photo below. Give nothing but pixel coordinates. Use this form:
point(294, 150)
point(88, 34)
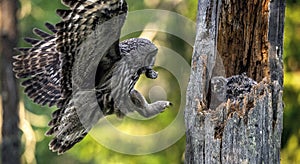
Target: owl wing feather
point(87, 29)
point(47, 65)
point(40, 65)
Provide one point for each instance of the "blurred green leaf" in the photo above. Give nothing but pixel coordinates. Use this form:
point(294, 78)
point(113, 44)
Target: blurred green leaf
point(35, 13)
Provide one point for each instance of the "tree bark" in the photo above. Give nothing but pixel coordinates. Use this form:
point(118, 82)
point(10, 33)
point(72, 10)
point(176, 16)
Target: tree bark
point(8, 36)
point(241, 41)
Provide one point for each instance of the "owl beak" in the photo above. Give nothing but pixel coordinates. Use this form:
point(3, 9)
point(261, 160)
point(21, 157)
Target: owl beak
point(150, 73)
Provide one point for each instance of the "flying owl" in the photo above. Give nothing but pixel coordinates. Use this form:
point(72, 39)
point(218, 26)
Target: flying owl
point(83, 69)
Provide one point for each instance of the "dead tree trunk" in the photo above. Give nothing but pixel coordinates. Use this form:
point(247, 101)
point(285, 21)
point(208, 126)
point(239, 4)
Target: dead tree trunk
point(8, 40)
point(233, 119)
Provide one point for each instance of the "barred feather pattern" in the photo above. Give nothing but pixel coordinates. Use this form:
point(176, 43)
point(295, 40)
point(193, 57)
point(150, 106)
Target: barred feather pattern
point(47, 68)
point(41, 66)
point(80, 112)
point(79, 22)
point(71, 123)
point(47, 65)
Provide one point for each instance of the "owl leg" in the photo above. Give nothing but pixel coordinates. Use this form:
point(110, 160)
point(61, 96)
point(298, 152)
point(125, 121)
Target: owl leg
point(145, 109)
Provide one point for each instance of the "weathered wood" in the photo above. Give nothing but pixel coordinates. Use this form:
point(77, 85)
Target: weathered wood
point(247, 36)
point(243, 37)
point(8, 40)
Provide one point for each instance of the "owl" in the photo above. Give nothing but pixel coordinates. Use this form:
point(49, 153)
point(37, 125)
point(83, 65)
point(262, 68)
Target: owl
point(83, 69)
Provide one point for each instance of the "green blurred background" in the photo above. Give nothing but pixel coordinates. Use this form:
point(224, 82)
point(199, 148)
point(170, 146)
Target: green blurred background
point(34, 120)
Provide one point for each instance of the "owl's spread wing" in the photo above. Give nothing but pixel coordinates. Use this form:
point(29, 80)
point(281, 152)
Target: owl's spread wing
point(47, 65)
point(41, 66)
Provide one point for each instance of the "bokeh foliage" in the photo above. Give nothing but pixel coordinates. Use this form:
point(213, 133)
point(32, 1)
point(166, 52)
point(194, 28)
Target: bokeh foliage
point(34, 13)
point(290, 152)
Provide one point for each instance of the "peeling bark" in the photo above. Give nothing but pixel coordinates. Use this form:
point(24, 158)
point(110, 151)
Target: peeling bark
point(247, 37)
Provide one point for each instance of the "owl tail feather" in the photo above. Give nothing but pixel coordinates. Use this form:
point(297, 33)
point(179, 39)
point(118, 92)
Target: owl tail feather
point(66, 129)
point(70, 124)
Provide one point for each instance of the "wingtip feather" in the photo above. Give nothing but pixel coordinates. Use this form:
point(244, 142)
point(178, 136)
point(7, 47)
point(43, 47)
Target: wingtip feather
point(50, 27)
point(41, 33)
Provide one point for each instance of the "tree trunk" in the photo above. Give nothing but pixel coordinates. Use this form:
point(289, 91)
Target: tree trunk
point(8, 37)
point(234, 99)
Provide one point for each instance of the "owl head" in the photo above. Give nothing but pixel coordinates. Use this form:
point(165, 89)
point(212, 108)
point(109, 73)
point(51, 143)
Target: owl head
point(139, 54)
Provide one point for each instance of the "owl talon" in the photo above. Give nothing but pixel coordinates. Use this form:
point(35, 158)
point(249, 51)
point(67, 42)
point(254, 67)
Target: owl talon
point(169, 104)
point(59, 69)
